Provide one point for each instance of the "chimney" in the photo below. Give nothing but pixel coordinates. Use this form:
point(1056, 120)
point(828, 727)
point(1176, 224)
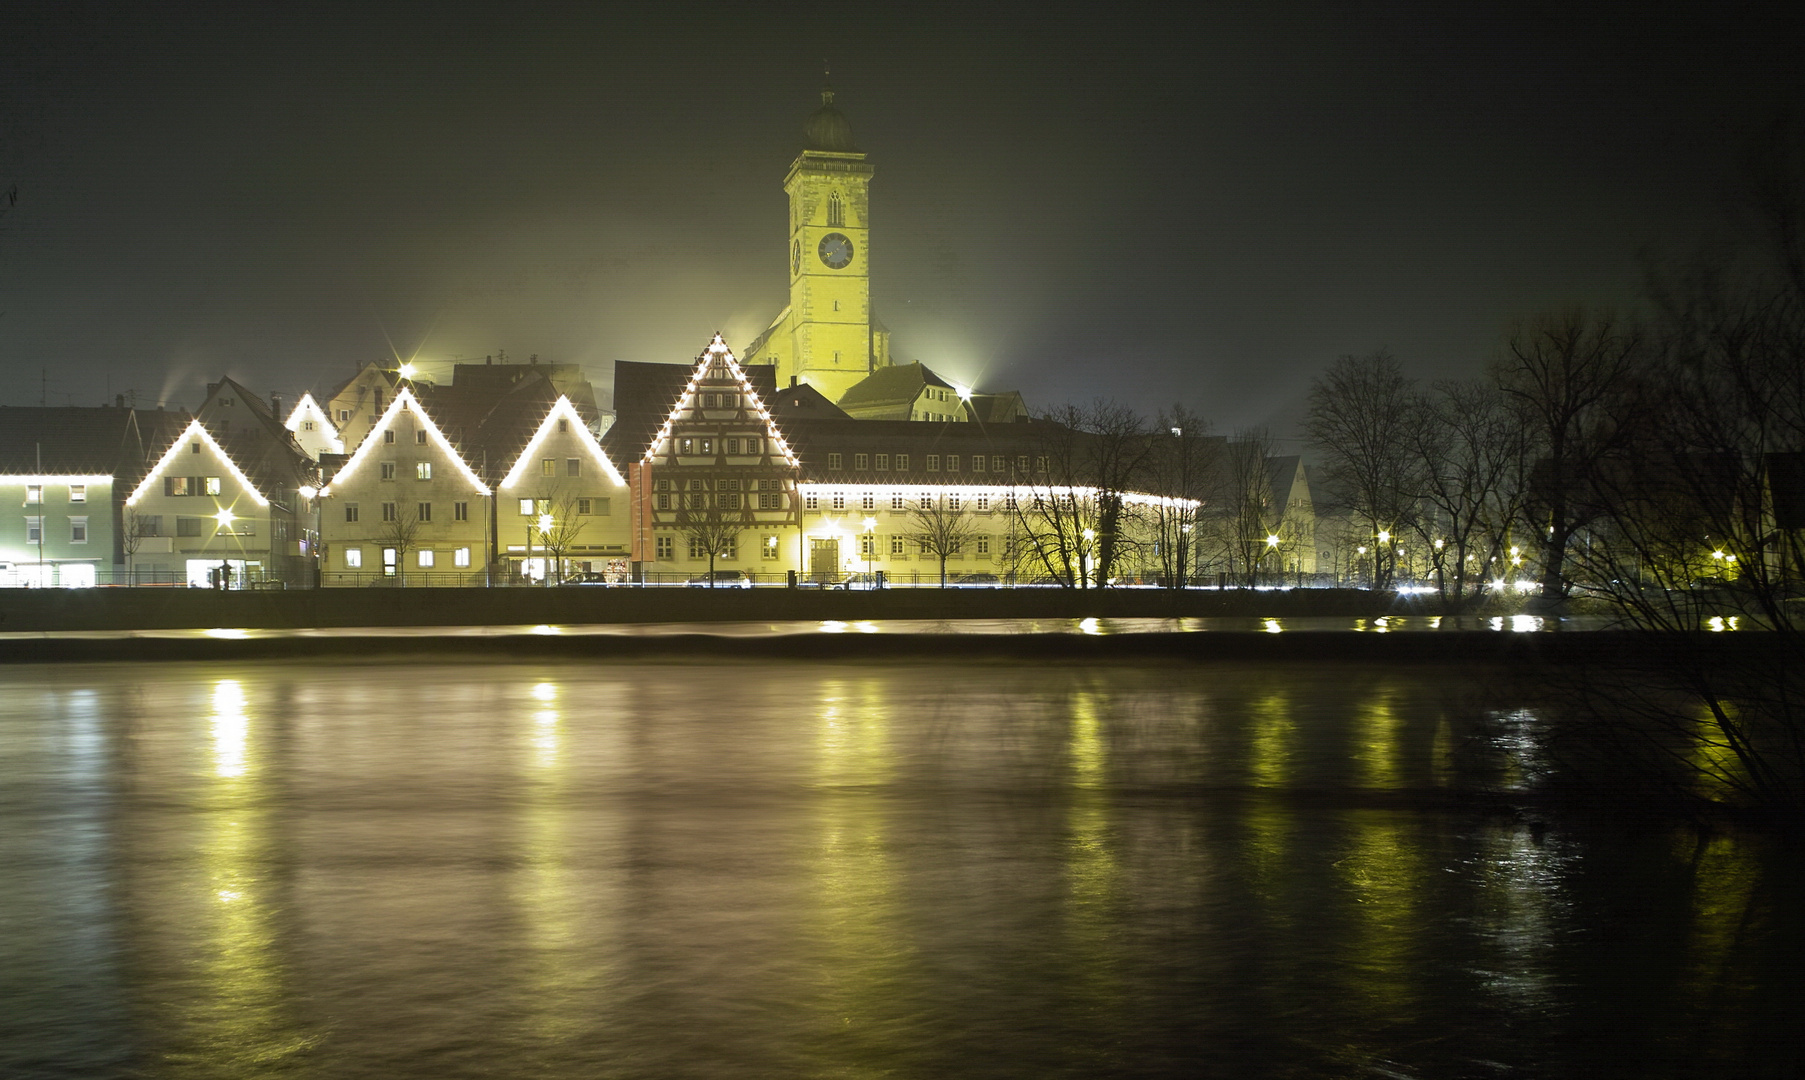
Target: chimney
point(533, 359)
point(792, 381)
point(275, 404)
point(490, 359)
point(118, 401)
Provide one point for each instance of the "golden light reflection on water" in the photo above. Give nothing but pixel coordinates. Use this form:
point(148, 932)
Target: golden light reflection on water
point(1092, 870)
point(235, 1023)
point(1382, 872)
point(1377, 727)
point(1726, 877)
point(548, 898)
point(1269, 718)
point(855, 873)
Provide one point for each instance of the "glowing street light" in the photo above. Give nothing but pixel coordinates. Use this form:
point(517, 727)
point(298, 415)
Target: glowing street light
point(406, 370)
point(1384, 536)
point(1272, 540)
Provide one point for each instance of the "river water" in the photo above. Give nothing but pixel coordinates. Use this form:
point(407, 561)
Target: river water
point(725, 869)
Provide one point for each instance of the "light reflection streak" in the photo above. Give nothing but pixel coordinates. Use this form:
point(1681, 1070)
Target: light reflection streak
point(231, 729)
point(1091, 862)
point(549, 900)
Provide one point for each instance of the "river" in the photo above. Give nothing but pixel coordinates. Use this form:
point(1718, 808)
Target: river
point(719, 868)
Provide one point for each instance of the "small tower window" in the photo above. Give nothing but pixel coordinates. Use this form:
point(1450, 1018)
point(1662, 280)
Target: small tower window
point(836, 210)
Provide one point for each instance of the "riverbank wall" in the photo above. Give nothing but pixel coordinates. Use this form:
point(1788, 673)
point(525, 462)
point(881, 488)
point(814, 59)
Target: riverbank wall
point(61, 610)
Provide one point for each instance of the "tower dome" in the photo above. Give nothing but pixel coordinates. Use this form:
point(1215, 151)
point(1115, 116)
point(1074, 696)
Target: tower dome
point(827, 128)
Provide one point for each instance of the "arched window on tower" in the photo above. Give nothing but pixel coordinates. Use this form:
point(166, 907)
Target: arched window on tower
point(836, 211)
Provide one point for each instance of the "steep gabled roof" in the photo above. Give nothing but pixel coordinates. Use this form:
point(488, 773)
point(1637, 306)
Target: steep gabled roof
point(645, 394)
point(562, 409)
point(804, 402)
point(719, 366)
point(309, 409)
point(405, 401)
point(196, 431)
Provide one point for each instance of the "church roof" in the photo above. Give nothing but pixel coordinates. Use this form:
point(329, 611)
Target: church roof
point(827, 129)
point(896, 384)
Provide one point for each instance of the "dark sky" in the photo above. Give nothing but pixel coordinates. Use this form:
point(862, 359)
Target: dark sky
point(1206, 207)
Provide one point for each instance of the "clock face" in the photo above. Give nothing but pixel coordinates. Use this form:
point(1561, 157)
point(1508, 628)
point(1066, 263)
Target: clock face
point(836, 250)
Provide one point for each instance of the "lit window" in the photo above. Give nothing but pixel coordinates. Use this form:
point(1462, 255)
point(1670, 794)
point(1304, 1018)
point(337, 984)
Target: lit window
point(708, 446)
point(354, 558)
point(34, 494)
point(390, 557)
point(422, 470)
point(686, 446)
point(213, 485)
point(424, 559)
point(573, 466)
point(461, 557)
point(526, 508)
point(548, 467)
point(78, 493)
point(769, 547)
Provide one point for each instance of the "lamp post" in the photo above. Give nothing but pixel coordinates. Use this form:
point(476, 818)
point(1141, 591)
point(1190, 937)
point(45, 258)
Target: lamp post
point(870, 542)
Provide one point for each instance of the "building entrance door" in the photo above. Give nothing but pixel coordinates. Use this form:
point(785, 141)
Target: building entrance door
point(824, 560)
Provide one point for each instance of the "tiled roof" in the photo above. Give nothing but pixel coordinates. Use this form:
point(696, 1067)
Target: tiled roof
point(896, 384)
point(644, 395)
point(69, 439)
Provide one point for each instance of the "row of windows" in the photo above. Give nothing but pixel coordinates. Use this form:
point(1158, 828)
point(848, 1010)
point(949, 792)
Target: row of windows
point(422, 470)
point(191, 485)
point(460, 511)
point(388, 436)
point(425, 559)
point(980, 463)
point(732, 447)
point(600, 507)
point(725, 483)
point(665, 549)
point(34, 494)
point(34, 530)
point(718, 401)
point(983, 504)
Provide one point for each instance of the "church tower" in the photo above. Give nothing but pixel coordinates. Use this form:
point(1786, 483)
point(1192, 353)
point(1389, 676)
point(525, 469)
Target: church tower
point(831, 345)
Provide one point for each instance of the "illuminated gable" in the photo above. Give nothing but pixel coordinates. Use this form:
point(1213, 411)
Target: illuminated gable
point(194, 430)
point(308, 409)
point(719, 355)
point(563, 410)
point(406, 402)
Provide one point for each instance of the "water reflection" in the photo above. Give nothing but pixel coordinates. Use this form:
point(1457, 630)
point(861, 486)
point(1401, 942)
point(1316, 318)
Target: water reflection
point(811, 869)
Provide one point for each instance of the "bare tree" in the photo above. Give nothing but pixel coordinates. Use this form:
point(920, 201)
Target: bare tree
point(710, 530)
point(1570, 372)
point(1360, 414)
point(1473, 470)
point(399, 535)
point(1183, 466)
point(941, 526)
point(137, 529)
point(567, 525)
point(1077, 523)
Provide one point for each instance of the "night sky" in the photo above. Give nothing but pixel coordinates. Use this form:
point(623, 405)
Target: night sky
point(1205, 207)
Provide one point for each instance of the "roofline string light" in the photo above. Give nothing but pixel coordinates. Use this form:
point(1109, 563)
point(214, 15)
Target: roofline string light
point(973, 491)
point(401, 403)
point(194, 428)
point(56, 478)
point(563, 409)
point(718, 349)
point(293, 423)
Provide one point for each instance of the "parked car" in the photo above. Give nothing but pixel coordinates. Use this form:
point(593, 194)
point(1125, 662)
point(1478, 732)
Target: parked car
point(863, 580)
point(976, 581)
point(721, 579)
point(591, 578)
